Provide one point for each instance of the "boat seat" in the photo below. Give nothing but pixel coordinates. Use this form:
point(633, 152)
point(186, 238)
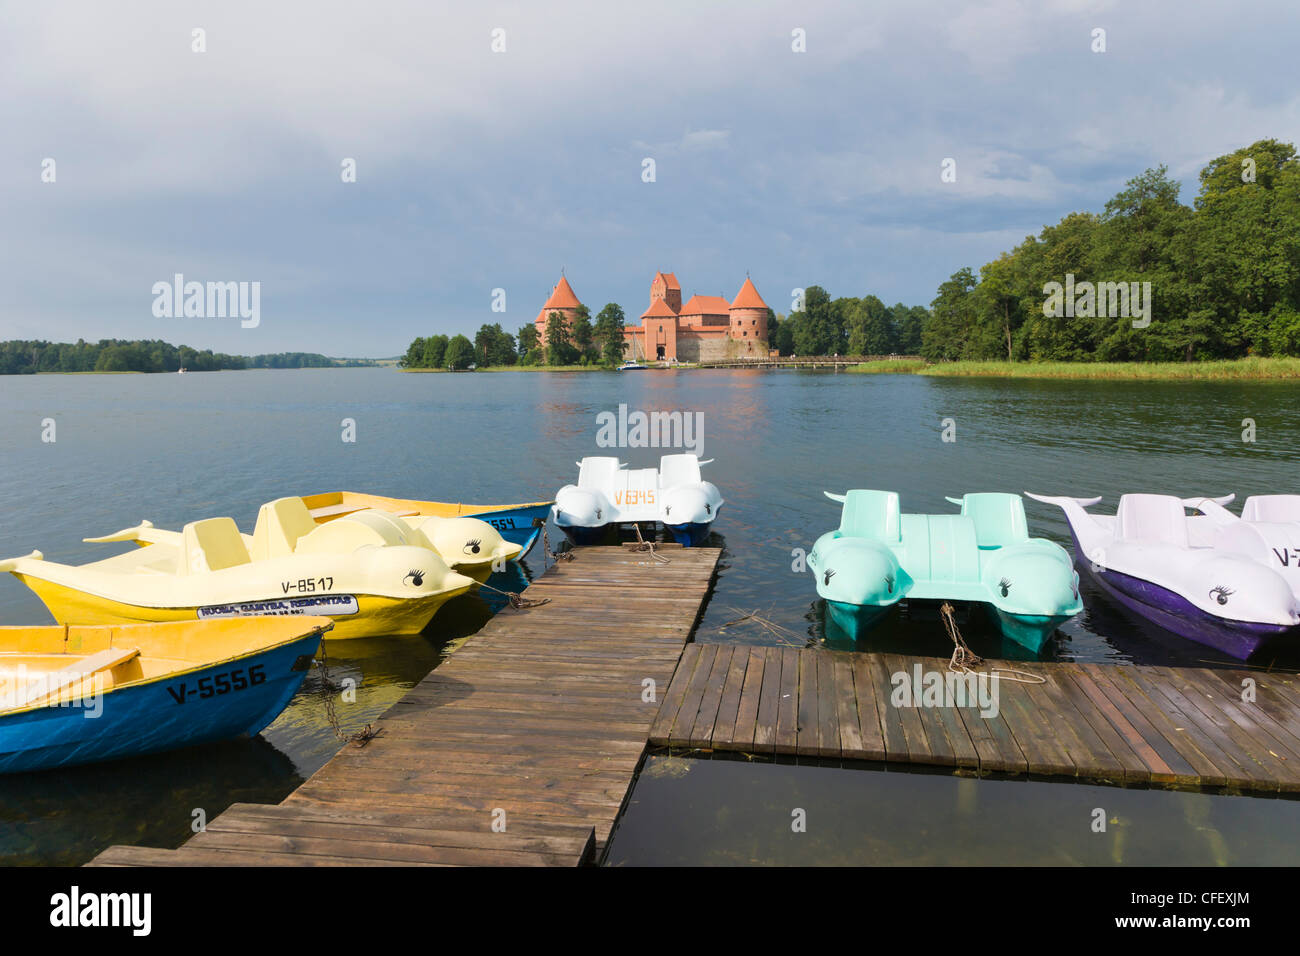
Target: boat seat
point(51, 684)
point(1280, 508)
point(369, 528)
point(678, 470)
point(1156, 519)
point(212, 544)
point(280, 524)
point(871, 514)
point(597, 473)
point(999, 518)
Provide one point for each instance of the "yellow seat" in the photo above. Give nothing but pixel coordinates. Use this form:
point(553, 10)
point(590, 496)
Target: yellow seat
point(212, 544)
point(280, 524)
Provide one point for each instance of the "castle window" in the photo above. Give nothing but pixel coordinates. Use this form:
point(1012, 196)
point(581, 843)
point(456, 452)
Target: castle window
point(746, 334)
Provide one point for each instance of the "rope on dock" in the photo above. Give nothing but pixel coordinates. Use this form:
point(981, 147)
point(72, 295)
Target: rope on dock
point(964, 660)
point(644, 545)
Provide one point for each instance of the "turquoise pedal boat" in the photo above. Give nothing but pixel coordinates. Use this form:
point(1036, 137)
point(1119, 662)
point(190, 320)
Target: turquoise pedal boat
point(984, 555)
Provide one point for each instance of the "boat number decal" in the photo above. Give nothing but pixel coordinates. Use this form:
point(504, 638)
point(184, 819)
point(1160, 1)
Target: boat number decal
point(332, 605)
point(308, 585)
point(218, 684)
point(502, 524)
point(1285, 555)
point(634, 496)
point(1220, 593)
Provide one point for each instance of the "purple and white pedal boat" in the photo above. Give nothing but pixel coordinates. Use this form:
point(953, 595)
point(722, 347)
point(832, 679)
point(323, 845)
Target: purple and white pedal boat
point(1204, 577)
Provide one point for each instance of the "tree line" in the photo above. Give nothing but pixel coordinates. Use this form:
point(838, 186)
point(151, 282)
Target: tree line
point(1217, 279)
point(19, 357)
point(579, 342)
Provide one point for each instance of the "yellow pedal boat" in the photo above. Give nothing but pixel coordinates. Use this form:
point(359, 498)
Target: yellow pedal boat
point(73, 695)
point(361, 571)
point(519, 524)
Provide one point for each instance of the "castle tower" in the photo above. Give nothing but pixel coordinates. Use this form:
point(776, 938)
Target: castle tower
point(666, 287)
point(748, 315)
point(564, 301)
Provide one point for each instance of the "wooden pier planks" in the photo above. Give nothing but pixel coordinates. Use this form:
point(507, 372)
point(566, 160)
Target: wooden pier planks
point(542, 715)
point(1135, 725)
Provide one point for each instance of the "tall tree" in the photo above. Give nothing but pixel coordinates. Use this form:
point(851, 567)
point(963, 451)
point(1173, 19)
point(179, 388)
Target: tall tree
point(609, 333)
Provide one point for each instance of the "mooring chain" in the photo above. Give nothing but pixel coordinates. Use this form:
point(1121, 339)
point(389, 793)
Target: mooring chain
point(327, 692)
point(546, 545)
point(517, 601)
point(964, 660)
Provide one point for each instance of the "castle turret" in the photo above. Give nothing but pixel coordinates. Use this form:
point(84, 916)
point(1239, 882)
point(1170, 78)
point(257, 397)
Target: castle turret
point(748, 315)
point(564, 301)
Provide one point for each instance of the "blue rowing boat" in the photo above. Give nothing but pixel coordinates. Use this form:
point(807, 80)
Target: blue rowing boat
point(76, 695)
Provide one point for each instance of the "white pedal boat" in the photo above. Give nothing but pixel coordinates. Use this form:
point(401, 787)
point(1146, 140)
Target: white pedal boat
point(609, 494)
point(1203, 577)
point(371, 572)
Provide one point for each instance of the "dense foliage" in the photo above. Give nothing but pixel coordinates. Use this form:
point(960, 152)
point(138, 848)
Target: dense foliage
point(1224, 274)
point(115, 355)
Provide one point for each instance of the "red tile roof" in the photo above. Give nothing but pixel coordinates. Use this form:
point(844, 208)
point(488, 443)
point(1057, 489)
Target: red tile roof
point(562, 297)
point(705, 305)
point(659, 309)
point(670, 280)
point(748, 297)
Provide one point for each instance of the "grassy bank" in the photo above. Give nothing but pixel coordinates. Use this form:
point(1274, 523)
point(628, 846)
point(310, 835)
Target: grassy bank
point(888, 366)
point(521, 368)
point(1246, 369)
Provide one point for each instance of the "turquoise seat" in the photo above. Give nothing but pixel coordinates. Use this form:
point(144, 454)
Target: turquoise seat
point(999, 518)
point(871, 514)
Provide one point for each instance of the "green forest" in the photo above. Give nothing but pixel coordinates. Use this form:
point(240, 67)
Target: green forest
point(1224, 274)
point(115, 355)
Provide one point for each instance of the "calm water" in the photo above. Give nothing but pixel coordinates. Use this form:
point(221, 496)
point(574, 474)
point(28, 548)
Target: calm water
point(173, 448)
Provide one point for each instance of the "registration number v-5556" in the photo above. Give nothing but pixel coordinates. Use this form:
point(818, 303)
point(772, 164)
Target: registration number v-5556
point(224, 683)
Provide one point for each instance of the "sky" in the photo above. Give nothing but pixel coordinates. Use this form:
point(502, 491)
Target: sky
point(480, 169)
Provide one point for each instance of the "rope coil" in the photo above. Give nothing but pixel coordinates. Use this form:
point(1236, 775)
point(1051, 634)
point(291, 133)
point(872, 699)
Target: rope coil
point(644, 545)
point(964, 660)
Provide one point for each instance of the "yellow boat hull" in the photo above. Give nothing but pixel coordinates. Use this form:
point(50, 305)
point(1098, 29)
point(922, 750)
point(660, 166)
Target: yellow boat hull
point(376, 616)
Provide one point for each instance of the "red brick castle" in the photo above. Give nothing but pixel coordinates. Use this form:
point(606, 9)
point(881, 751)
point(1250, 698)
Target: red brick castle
point(706, 328)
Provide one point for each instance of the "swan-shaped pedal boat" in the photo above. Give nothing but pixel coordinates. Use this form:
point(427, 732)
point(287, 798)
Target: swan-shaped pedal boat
point(984, 555)
point(609, 494)
point(371, 572)
point(1221, 580)
point(75, 695)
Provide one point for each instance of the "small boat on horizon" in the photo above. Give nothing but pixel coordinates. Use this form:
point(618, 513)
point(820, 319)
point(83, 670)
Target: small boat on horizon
point(519, 524)
point(1212, 578)
point(609, 494)
point(879, 557)
point(632, 366)
point(75, 695)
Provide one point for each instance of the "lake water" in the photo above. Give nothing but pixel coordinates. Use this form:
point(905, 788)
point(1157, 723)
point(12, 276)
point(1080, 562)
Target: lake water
point(172, 448)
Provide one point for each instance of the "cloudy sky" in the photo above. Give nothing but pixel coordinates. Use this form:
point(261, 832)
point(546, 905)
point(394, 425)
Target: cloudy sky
point(479, 170)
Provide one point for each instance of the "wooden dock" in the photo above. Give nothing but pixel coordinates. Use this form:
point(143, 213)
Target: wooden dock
point(538, 723)
point(1161, 726)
